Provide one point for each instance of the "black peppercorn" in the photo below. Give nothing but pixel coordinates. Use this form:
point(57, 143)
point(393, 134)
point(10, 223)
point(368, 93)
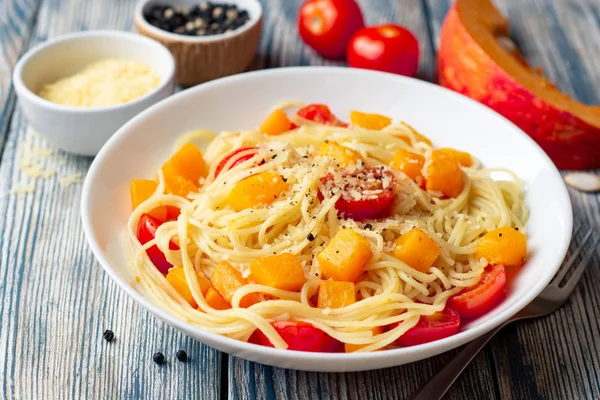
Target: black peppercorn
point(310, 237)
point(368, 226)
point(108, 335)
point(158, 358)
point(181, 355)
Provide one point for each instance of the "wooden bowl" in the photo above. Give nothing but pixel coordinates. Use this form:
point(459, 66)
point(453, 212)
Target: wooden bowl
point(203, 58)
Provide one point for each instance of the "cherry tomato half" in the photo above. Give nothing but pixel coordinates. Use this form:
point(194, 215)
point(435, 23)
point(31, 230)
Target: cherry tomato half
point(429, 328)
point(376, 187)
point(477, 299)
point(319, 113)
point(146, 231)
point(328, 25)
point(250, 152)
point(300, 336)
point(388, 48)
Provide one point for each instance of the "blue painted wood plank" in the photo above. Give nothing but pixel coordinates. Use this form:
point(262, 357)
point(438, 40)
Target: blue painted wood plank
point(55, 300)
point(17, 18)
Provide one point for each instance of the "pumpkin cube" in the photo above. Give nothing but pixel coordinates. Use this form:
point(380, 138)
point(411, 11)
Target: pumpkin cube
point(506, 246)
point(444, 174)
point(416, 249)
point(256, 190)
point(176, 277)
point(276, 123)
point(462, 157)
point(188, 163)
point(215, 300)
point(369, 121)
point(226, 280)
point(178, 185)
point(344, 156)
point(411, 164)
point(349, 347)
point(140, 190)
point(333, 294)
point(345, 256)
point(282, 271)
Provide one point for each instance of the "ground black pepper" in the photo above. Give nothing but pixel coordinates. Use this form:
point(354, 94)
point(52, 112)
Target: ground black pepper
point(158, 358)
point(201, 20)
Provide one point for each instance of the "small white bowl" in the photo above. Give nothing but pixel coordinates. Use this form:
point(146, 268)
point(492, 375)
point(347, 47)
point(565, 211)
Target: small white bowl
point(83, 130)
point(242, 101)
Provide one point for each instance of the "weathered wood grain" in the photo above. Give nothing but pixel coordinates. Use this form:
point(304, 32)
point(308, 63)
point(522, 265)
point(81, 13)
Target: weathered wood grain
point(557, 357)
point(17, 18)
point(55, 300)
point(282, 47)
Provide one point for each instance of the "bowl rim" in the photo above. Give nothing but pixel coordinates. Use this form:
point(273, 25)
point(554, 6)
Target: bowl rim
point(24, 91)
point(383, 358)
point(174, 37)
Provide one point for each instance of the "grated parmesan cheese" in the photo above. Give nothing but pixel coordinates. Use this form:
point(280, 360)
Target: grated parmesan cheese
point(103, 83)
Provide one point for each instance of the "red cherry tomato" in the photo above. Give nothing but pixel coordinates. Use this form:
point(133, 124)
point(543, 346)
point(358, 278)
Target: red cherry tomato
point(376, 187)
point(477, 299)
point(429, 328)
point(328, 25)
point(146, 231)
point(251, 153)
point(319, 113)
point(388, 48)
point(300, 336)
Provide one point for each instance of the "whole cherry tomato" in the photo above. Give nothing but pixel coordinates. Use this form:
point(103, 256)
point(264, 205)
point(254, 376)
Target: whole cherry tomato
point(388, 48)
point(300, 336)
point(328, 25)
point(475, 300)
point(430, 327)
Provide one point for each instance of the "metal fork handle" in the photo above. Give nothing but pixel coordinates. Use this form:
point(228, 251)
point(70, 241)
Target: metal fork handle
point(439, 384)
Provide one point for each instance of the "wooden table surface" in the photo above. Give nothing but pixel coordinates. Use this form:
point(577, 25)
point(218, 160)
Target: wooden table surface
point(55, 300)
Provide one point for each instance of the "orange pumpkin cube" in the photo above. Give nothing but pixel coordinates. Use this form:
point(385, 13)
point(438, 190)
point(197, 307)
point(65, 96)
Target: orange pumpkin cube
point(344, 156)
point(226, 280)
point(178, 185)
point(176, 277)
point(506, 246)
point(188, 163)
point(416, 249)
point(345, 256)
point(282, 271)
point(349, 347)
point(140, 190)
point(463, 157)
point(259, 189)
point(444, 174)
point(369, 121)
point(411, 164)
point(215, 300)
point(334, 294)
point(276, 123)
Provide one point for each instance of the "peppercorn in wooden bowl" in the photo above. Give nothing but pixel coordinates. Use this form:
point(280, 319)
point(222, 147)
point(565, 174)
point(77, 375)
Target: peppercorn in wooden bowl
point(208, 40)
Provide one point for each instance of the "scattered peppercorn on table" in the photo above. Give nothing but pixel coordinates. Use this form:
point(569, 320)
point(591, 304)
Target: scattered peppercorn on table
point(67, 331)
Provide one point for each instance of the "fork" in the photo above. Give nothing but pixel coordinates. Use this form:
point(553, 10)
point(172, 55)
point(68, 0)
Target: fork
point(548, 301)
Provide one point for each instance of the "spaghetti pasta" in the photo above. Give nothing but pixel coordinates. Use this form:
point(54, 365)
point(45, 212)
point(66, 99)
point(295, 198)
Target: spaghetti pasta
point(303, 219)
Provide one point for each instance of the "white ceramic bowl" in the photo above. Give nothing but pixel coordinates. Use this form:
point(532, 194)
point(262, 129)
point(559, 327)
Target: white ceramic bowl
point(82, 130)
point(240, 102)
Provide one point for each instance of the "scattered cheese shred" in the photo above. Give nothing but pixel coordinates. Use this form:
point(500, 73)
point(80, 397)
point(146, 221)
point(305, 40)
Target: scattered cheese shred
point(68, 180)
point(22, 189)
point(103, 83)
